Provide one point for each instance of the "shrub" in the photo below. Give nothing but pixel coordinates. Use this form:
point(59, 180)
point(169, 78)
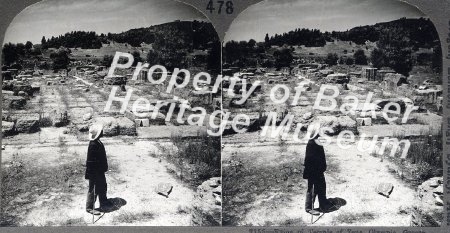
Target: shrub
point(19, 175)
point(197, 159)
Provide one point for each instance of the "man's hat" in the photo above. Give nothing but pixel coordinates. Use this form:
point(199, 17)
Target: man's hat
point(313, 131)
point(95, 131)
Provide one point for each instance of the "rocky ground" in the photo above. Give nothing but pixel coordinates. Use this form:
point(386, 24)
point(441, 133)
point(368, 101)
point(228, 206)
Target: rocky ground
point(45, 152)
point(263, 186)
point(135, 174)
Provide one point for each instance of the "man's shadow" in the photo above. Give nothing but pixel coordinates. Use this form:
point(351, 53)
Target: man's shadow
point(336, 204)
point(116, 204)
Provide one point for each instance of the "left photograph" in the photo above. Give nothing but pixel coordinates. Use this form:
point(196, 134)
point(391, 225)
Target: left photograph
point(110, 115)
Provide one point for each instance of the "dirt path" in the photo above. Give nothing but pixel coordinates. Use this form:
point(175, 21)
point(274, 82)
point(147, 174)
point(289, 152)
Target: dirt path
point(349, 176)
point(135, 172)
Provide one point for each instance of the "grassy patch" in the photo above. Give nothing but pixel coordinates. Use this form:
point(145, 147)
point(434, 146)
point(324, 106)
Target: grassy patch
point(294, 222)
point(23, 181)
point(196, 159)
point(244, 183)
point(75, 222)
point(127, 217)
point(423, 161)
point(350, 218)
point(183, 209)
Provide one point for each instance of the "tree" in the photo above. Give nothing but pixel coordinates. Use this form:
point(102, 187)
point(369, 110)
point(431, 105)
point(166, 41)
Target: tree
point(20, 49)
point(436, 62)
point(397, 49)
point(137, 57)
point(283, 58)
point(266, 39)
point(251, 43)
point(331, 59)
point(28, 47)
point(43, 43)
point(213, 58)
point(9, 53)
point(107, 60)
point(360, 57)
point(377, 57)
point(152, 57)
point(349, 61)
point(400, 59)
point(60, 59)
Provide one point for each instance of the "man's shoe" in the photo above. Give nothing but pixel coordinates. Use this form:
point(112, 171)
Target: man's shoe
point(313, 212)
point(94, 212)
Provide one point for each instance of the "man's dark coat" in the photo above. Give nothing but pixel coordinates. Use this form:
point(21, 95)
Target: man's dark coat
point(96, 162)
point(315, 163)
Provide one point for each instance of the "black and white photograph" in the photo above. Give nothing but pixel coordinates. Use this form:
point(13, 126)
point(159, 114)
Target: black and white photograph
point(102, 121)
point(343, 104)
point(312, 116)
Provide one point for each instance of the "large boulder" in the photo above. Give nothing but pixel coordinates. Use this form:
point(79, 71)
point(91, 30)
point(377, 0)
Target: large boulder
point(116, 126)
point(159, 119)
point(207, 206)
point(8, 128)
point(26, 88)
point(428, 210)
point(126, 126)
point(14, 102)
point(164, 189)
point(87, 116)
point(27, 123)
point(110, 127)
point(337, 124)
point(307, 116)
point(384, 189)
point(81, 115)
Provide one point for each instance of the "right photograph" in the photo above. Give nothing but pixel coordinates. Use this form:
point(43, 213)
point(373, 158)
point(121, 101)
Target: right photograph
point(337, 109)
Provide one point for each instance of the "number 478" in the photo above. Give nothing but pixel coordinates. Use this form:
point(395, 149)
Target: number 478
point(228, 7)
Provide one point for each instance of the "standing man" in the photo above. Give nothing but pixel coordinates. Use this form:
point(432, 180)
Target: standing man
point(96, 166)
point(315, 165)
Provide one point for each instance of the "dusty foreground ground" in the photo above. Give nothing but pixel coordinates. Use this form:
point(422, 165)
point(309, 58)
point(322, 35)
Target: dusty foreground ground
point(135, 172)
point(263, 186)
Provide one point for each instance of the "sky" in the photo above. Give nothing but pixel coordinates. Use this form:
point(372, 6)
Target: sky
point(55, 17)
point(279, 16)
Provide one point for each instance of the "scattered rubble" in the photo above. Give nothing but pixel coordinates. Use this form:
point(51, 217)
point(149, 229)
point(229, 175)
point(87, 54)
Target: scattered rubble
point(384, 189)
point(428, 212)
point(207, 206)
point(28, 123)
point(115, 80)
point(14, 102)
point(8, 128)
point(116, 126)
point(164, 189)
point(337, 124)
point(87, 116)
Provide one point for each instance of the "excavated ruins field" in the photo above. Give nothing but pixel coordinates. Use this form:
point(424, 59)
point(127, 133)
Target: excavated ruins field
point(50, 163)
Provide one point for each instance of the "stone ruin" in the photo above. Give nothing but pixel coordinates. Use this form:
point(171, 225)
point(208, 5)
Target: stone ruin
point(207, 206)
point(8, 128)
point(429, 210)
point(115, 80)
point(20, 123)
point(113, 126)
point(14, 102)
point(336, 123)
